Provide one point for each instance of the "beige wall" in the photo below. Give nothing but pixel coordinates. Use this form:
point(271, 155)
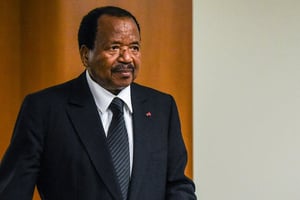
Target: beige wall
point(247, 99)
point(38, 41)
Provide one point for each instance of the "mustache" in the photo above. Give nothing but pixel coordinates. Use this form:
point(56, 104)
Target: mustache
point(122, 67)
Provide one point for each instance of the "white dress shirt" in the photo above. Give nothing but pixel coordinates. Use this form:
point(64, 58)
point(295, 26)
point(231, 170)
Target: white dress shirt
point(103, 99)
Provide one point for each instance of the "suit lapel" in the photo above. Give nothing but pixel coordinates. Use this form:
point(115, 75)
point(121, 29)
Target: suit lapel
point(141, 133)
point(83, 113)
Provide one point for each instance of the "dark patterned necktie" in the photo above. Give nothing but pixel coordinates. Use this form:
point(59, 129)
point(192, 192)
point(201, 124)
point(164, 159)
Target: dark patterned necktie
point(117, 139)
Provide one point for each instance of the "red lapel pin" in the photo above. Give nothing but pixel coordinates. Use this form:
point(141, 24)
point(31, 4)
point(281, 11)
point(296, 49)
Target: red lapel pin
point(148, 114)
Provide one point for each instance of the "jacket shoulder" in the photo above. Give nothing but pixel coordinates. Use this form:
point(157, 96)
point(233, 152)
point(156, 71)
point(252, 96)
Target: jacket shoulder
point(144, 90)
point(59, 91)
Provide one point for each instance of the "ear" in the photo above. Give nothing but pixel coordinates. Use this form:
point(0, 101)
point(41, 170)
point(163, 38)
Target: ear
point(84, 55)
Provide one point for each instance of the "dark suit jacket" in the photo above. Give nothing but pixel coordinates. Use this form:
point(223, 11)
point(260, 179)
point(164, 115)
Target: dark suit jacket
point(59, 145)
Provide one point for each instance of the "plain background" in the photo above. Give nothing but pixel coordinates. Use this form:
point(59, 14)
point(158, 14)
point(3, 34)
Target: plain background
point(247, 99)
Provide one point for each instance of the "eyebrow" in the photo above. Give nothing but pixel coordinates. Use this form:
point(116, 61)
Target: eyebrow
point(117, 42)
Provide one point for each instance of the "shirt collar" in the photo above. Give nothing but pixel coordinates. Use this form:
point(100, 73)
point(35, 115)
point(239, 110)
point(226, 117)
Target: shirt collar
point(103, 97)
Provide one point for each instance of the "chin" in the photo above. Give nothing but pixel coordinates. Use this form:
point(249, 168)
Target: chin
point(122, 86)
point(125, 82)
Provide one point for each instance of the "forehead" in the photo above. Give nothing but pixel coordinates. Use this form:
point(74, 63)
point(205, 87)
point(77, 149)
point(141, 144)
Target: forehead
point(111, 26)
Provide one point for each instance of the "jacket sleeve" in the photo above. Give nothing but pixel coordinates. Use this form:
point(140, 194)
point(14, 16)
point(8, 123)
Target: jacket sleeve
point(179, 187)
point(19, 167)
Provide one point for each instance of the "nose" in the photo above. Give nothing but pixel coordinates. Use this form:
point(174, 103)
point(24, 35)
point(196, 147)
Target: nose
point(125, 56)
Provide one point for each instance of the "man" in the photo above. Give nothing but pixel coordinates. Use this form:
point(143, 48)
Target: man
point(64, 141)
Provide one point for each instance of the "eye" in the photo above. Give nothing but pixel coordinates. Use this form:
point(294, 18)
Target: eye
point(135, 48)
point(114, 47)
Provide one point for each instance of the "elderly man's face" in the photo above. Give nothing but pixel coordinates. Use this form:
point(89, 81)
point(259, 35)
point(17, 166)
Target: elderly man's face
point(115, 60)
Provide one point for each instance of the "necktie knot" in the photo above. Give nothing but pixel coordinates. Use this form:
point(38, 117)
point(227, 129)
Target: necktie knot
point(116, 106)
